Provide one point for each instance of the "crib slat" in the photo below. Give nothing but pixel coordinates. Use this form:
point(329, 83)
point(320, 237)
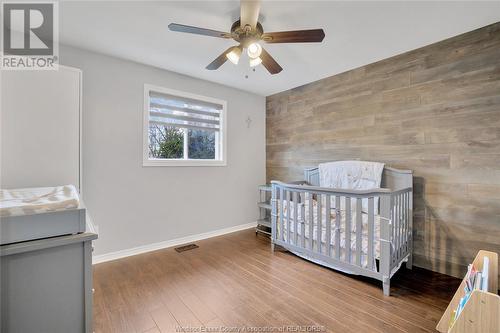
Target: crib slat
point(337, 227)
point(394, 218)
point(403, 224)
point(328, 228)
point(288, 213)
point(295, 219)
point(359, 230)
point(311, 221)
point(408, 217)
point(400, 225)
point(318, 222)
point(281, 203)
point(395, 226)
point(348, 229)
point(406, 220)
point(409, 221)
point(371, 236)
point(281, 235)
point(397, 220)
point(303, 222)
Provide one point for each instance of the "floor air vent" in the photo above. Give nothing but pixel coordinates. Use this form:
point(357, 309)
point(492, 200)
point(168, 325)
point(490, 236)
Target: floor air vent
point(186, 247)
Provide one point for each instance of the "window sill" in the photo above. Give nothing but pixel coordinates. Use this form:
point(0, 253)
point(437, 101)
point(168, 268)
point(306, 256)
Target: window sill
point(184, 163)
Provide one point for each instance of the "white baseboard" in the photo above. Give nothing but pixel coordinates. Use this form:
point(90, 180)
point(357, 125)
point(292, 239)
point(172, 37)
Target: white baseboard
point(173, 242)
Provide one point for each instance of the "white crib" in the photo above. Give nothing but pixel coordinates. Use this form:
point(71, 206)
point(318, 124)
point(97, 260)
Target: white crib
point(365, 233)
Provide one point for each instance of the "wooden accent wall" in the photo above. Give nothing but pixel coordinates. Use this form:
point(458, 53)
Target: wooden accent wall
point(435, 110)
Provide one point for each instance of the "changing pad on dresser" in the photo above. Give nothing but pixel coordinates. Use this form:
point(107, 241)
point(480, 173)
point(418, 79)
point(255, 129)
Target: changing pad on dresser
point(29, 201)
point(33, 213)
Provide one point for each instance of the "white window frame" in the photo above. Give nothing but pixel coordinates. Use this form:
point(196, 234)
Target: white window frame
point(221, 145)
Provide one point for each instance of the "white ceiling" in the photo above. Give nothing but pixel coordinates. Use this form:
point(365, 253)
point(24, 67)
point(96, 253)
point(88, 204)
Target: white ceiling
point(357, 33)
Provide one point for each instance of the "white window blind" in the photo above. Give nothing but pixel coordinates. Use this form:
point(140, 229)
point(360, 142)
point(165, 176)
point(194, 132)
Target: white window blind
point(183, 129)
point(170, 110)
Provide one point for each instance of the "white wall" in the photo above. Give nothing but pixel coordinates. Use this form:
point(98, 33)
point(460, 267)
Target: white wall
point(134, 205)
point(40, 134)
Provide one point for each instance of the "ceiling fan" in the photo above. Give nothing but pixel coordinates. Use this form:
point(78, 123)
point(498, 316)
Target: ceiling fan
point(248, 32)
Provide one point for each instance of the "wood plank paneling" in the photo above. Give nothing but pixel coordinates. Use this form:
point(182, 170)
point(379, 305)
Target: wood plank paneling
point(435, 110)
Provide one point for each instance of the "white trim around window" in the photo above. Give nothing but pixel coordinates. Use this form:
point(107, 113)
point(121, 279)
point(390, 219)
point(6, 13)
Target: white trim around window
point(221, 142)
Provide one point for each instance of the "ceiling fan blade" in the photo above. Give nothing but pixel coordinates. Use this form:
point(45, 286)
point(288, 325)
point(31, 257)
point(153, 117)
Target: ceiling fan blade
point(298, 36)
point(269, 63)
point(198, 31)
point(220, 60)
point(249, 12)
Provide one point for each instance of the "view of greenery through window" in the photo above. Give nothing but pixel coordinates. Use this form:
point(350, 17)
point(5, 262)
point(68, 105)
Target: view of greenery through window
point(201, 144)
point(168, 142)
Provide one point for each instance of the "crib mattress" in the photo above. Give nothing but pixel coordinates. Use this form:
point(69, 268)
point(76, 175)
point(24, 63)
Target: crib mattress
point(305, 228)
point(34, 213)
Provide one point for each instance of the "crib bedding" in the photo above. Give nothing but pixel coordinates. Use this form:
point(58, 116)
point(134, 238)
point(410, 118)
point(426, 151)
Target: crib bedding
point(352, 175)
point(30, 201)
point(305, 208)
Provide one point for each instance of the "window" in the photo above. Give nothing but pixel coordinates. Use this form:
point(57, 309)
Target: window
point(183, 129)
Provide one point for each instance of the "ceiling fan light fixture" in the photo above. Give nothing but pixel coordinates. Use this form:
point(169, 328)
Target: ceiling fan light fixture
point(234, 55)
point(255, 61)
point(249, 34)
point(254, 50)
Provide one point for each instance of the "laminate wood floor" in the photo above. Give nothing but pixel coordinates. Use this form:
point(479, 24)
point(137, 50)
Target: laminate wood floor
point(234, 281)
